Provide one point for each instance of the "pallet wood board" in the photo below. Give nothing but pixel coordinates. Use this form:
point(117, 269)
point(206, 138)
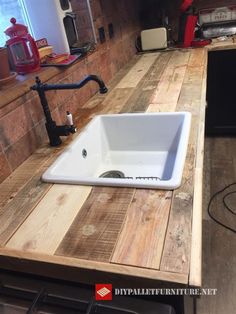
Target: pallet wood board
point(159, 66)
point(177, 249)
point(138, 71)
point(94, 232)
point(176, 252)
point(45, 228)
point(16, 181)
point(15, 213)
point(141, 240)
point(86, 270)
point(171, 80)
point(169, 88)
point(142, 94)
point(19, 206)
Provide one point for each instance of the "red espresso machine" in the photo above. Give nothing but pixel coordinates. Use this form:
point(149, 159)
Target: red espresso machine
point(187, 24)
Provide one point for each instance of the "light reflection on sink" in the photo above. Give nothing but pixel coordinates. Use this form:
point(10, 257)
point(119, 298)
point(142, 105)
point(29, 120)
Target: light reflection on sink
point(145, 150)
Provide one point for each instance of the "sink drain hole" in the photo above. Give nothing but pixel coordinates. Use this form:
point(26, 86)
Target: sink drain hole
point(112, 174)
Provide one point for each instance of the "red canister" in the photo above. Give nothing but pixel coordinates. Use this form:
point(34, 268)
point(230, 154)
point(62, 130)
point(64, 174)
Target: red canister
point(23, 49)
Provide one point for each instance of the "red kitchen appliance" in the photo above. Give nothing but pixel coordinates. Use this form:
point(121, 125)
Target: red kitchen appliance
point(23, 49)
point(187, 24)
point(188, 21)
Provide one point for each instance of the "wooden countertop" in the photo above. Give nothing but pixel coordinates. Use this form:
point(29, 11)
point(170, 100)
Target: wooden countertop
point(140, 233)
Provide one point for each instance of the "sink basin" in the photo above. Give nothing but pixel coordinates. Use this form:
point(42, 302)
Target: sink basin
point(144, 150)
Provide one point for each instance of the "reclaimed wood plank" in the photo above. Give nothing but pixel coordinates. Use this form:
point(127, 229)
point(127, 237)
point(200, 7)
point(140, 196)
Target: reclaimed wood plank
point(46, 226)
point(159, 66)
point(197, 58)
point(142, 94)
point(140, 98)
point(17, 180)
point(176, 252)
point(22, 202)
point(142, 237)
point(94, 232)
point(138, 71)
point(177, 249)
point(195, 273)
point(179, 58)
point(170, 84)
point(169, 88)
point(89, 267)
point(167, 107)
point(15, 213)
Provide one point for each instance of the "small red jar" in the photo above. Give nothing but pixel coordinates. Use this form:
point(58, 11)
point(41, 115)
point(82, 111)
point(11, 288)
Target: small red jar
point(23, 49)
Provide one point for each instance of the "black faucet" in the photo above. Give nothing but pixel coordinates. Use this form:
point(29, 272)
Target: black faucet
point(55, 131)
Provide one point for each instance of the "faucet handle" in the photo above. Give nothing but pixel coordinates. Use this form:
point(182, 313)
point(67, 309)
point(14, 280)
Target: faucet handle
point(69, 118)
point(72, 128)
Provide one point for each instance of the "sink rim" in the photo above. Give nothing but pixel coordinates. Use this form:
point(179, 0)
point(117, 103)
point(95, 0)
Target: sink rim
point(170, 184)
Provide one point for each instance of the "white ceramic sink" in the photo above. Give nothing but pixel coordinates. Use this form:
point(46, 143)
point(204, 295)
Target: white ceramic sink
point(147, 149)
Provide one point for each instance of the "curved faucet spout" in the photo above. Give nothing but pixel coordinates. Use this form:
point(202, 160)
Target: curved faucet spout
point(102, 87)
point(55, 131)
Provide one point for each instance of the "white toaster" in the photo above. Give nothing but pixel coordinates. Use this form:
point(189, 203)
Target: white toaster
point(155, 38)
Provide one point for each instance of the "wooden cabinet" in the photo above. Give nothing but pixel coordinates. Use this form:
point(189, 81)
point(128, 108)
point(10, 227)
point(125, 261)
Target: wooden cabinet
point(221, 93)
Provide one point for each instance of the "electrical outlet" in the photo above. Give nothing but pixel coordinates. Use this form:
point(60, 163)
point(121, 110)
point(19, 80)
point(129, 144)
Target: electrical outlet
point(102, 36)
point(111, 30)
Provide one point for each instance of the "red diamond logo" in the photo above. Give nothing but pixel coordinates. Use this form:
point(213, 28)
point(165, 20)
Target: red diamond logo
point(103, 292)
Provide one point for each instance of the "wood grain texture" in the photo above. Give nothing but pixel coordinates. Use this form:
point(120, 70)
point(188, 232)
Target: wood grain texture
point(20, 201)
point(177, 250)
point(160, 107)
point(138, 71)
point(141, 240)
point(140, 98)
point(142, 94)
point(16, 181)
point(45, 228)
point(94, 231)
point(15, 213)
point(159, 67)
point(171, 80)
point(176, 253)
point(90, 267)
point(195, 275)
